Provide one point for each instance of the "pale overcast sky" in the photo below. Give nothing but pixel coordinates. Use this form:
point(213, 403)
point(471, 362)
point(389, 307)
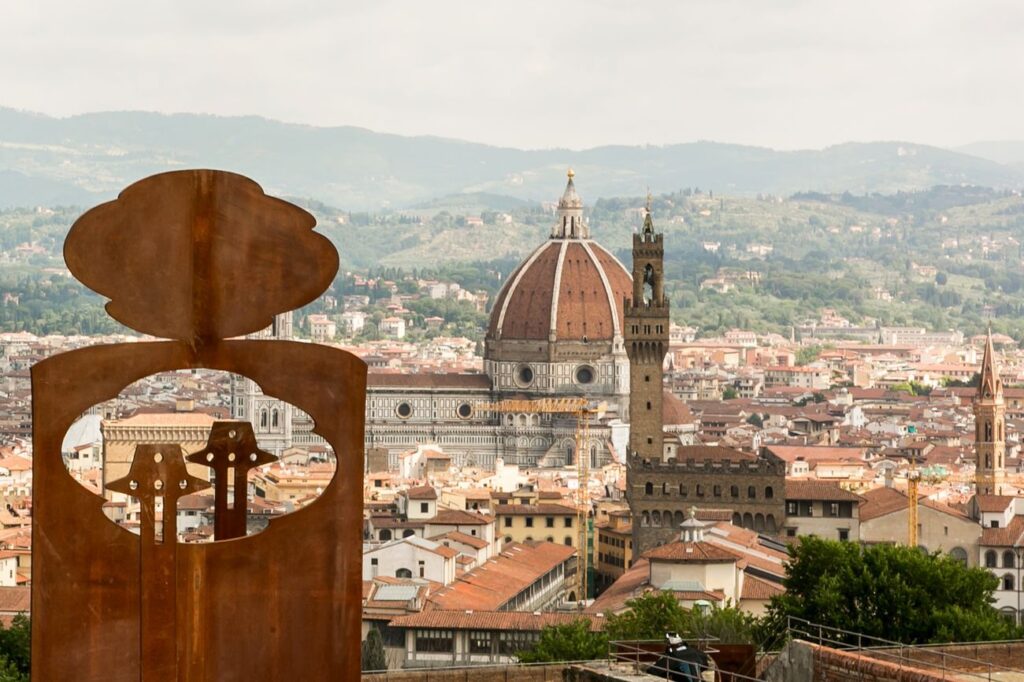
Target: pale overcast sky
point(538, 74)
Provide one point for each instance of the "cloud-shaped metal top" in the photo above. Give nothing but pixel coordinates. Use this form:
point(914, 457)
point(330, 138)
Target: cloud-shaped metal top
point(199, 255)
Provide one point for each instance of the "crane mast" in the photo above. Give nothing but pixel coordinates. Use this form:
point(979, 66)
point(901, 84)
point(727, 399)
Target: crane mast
point(583, 410)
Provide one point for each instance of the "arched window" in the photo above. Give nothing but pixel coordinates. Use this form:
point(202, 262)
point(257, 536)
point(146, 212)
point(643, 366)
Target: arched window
point(273, 419)
point(664, 488)
point(645, 519)
point(769, 493)
point(681, 488)
point(385, 534)
point(990, 559)
point(648, 290)
point(403, 573)
point(263, 418)
point(1008, 582)
point(408, 533)
point(1008, 559)
point(770, 524)
point(734, 491)
point(737, 520)
point(960, 554)
point(568, 541)
point(759, 522)
point(648, 488)
point(751, 492)
point(656, 519)
point(677, 518)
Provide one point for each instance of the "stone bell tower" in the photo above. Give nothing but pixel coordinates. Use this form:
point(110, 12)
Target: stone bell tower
point(646, 336)
point(989, 427)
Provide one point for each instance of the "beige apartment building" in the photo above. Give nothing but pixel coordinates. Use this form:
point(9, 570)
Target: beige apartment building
point(546, 522)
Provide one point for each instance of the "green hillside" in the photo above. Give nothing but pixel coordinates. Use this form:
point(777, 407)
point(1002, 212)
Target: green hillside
point(357, 169)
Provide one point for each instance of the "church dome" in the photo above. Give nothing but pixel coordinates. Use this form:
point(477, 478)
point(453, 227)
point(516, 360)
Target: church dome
point(569, 289)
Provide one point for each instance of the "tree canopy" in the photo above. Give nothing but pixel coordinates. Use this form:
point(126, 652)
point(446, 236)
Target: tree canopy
point(651, 615)
point(892, 592)
point(567, 642)
point(372, 653)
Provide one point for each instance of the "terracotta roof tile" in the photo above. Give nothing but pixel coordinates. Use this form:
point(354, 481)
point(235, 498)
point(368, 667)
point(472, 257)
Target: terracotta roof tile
point(818, 490)
point(993, 503)
point(758, 588)
point(494, 583)
point(1010, 536)
point(695, 552)
point(489, 620)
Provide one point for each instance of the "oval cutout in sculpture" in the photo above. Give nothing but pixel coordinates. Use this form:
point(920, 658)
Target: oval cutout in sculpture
point(185, 419)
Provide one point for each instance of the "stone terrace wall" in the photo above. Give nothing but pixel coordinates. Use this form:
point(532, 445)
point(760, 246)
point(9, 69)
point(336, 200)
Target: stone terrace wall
point(805, 662)
point(1002, 655)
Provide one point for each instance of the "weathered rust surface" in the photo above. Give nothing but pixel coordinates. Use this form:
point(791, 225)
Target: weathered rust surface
point(283, 604)
point(231, 448)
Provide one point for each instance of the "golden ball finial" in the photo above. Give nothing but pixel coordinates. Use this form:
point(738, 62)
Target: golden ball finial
point(571, 173)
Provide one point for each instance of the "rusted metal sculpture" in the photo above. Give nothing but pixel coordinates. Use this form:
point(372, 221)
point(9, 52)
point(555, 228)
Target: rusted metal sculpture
point(231, 452)
point(197, 257)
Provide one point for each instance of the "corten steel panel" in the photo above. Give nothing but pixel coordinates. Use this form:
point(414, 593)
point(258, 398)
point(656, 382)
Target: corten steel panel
point(281, 604)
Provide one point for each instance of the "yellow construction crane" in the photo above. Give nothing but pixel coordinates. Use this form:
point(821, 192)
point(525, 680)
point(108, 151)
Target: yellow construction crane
point(913, 478)
point(584, 410)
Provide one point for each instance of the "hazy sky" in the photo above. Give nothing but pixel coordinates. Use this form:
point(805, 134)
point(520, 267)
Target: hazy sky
point(538, 74)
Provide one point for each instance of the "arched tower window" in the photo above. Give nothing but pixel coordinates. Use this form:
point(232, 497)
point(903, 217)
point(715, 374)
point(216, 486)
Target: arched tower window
point(273, 419)
point(648, 284)
point(263, 418)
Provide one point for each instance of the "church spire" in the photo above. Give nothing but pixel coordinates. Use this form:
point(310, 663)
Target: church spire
point(989, 427)
point(990, 385)
point(570, 223)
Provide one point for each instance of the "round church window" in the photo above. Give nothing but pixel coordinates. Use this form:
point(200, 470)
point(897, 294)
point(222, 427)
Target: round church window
point(525, 375)
point(404, 410)
point(585, 375)
point(465, 410)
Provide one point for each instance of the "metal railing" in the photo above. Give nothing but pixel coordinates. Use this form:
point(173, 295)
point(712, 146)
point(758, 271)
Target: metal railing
point(647, 656)
point(444, 670)
point(952, 666)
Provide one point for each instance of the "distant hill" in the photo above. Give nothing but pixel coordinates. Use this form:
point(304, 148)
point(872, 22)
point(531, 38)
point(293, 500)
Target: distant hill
point(18, 189)
point(1006, 152)
point(357, 169)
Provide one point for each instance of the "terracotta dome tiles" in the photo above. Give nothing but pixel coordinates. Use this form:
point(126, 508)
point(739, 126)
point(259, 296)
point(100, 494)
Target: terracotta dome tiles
point(591, 285)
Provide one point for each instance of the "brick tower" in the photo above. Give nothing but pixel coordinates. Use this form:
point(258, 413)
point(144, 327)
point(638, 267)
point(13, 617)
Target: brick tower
point(989, 427)
point(646, 336)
